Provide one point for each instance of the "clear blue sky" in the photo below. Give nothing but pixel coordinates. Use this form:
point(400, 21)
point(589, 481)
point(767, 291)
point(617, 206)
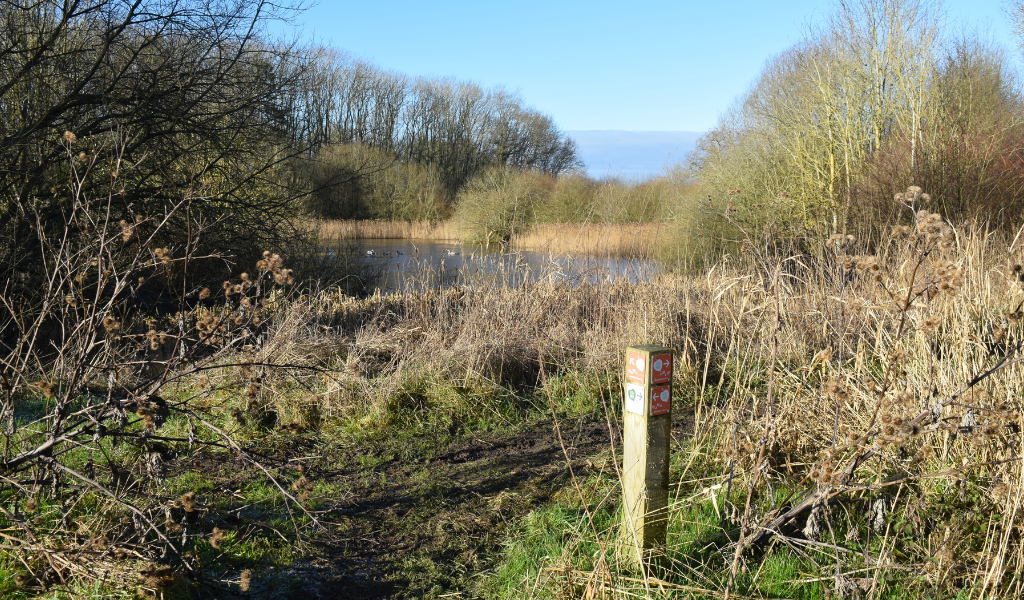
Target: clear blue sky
point(641, 65)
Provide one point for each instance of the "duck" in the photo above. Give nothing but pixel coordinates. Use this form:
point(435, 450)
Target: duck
point(371, 253)
point(450, 252)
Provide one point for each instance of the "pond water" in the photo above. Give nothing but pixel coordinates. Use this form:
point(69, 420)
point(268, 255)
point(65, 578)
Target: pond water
point(407, 264)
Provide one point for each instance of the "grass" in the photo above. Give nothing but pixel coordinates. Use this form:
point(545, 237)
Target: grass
point(790, 371)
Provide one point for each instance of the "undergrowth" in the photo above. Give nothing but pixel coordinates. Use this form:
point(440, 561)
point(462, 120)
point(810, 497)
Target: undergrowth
point(862, 437)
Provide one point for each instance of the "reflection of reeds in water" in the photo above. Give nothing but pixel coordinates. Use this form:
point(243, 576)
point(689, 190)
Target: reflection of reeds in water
point(633, 240)
point(513, 270)
point(379, 229)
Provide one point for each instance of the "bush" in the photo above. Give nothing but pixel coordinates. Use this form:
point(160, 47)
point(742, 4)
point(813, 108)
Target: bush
point(500, 203)
point(352, 181)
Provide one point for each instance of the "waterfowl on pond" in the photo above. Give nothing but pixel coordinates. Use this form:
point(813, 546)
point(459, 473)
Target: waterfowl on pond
point(371, 253)
point(450, 252)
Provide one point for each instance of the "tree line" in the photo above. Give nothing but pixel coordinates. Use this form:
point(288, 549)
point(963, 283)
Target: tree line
point(873, 100)
point(444, 131)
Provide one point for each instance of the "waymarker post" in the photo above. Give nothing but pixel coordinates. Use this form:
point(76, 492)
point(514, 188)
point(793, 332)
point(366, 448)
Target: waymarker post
point(647, 426)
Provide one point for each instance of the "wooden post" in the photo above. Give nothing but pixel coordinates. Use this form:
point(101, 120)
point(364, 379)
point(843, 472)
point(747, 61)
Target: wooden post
point(647, 426)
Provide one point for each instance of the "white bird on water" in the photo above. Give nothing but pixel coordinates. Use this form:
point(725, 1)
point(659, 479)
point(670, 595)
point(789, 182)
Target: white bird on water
point(370, 253)
point(450, 252)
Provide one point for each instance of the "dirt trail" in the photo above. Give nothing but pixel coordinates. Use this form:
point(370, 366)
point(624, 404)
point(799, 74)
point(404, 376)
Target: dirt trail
point(418, 516)
point(418, 528)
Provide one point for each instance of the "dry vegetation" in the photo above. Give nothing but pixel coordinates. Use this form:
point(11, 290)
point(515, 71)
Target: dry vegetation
point(635, 240)
point(859, 417)
point(852, 402)
point(857, 411)
point(380, 229)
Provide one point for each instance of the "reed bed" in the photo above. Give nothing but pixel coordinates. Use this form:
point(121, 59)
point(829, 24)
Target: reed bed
point(630, 240)
point(382, 229)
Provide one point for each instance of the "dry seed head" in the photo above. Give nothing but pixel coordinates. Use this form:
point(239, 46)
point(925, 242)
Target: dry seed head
point(204, 294)
point(188, 501)
point(82, 156)
point(216, 538)
point(245, 582)
point(70, 137)
point(111, 325)
point(126, 230)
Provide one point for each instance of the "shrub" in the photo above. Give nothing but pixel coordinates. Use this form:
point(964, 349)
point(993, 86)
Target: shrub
point(498, 204)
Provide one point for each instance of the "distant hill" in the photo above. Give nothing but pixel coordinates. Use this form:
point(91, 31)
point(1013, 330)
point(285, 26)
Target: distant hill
point(631, 154)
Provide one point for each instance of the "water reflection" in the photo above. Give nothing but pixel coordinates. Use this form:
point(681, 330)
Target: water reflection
point(417, 265)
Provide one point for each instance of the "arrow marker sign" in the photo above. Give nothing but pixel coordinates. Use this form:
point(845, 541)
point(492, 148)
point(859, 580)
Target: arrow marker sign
point(661, 368)
point(636, 367)
point(635, 398)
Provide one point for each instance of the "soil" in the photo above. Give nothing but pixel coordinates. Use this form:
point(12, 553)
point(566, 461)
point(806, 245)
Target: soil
point(417, 529)
point(418, 516)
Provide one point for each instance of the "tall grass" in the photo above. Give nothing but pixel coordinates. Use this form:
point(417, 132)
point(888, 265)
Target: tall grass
point(635, 240)
point(857, 427)
point(383, 229)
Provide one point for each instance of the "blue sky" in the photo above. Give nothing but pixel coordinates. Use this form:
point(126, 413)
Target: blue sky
point(645, 65)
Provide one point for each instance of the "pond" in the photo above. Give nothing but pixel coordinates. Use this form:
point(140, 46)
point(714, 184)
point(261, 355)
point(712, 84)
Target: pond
point(416, 265)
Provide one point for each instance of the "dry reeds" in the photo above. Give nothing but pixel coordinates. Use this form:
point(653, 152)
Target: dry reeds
point(381, 229)
point(633, 240)
point(866, 419)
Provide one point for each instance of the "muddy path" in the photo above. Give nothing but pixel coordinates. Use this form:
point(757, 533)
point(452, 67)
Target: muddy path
point(417, 516)
point(420, 528)
point(410, 515)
